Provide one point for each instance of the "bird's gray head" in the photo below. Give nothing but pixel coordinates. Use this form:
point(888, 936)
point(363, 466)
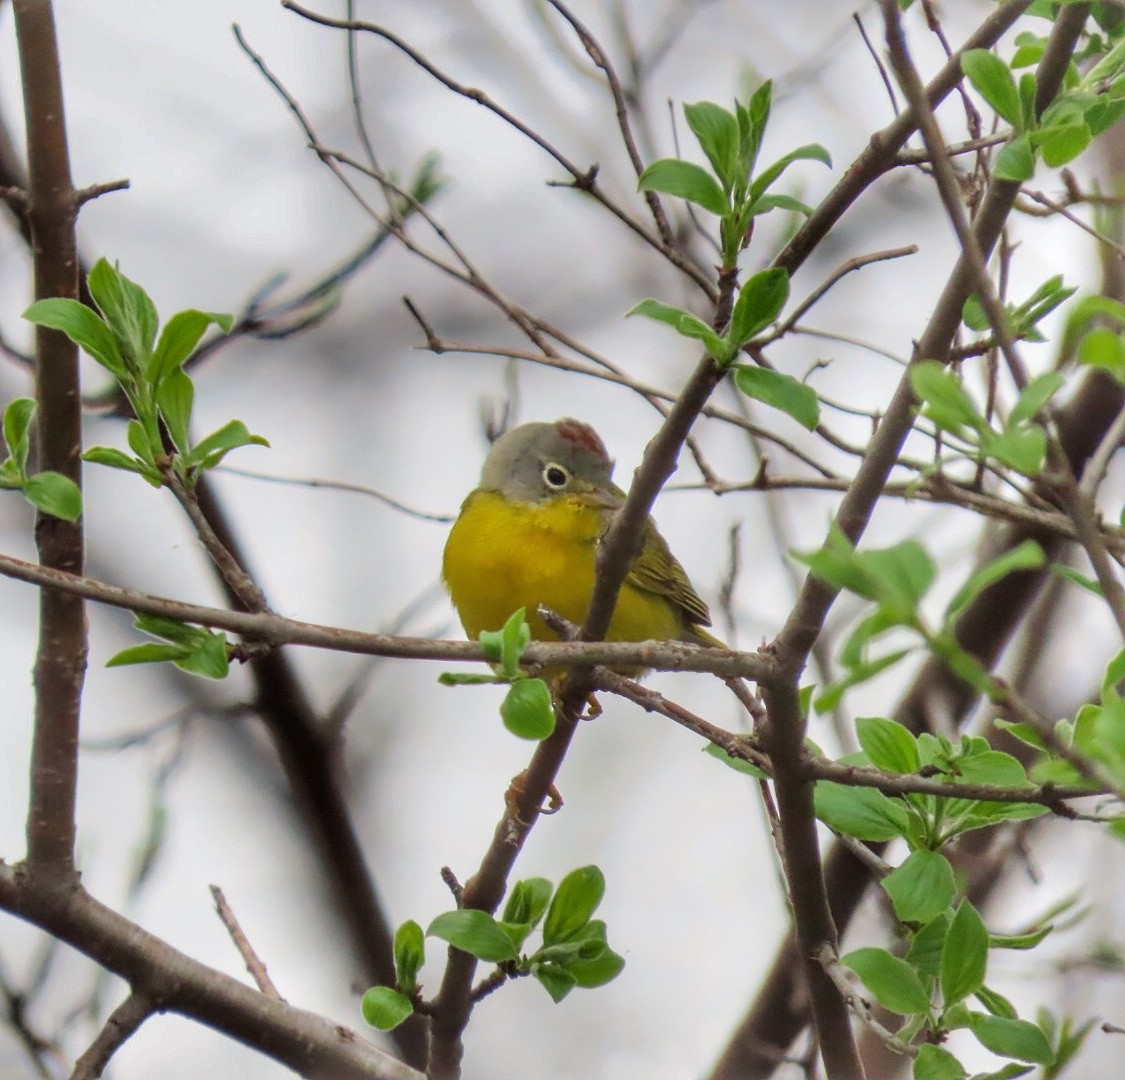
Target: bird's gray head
point(540, 461)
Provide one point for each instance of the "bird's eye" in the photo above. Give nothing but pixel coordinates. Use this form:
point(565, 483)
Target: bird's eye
point(555, 476)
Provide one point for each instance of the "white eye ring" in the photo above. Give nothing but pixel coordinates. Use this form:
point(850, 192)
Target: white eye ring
point(556, 477)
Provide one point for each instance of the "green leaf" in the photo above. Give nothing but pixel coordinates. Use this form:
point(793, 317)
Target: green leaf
point(137, 437)
point(179, 338)
point(927, 944)
point(922, 887)
point(837, 564)
point(752, 122)
point(527, 709)
point(150, 653)
point(1050, 295)
point(945, 399)
point(740, 765)
point(1023, 448)
point(410, 954)
point(1114, 676)
point(965, 955)
point(17, 431)
point(1036, 394)
point(973, 314)
point(993, 81)
point(475, 932)
point(117, 459)
point(527, 901)
point(765, 180)
point(384, 1008)
point(759, 303)
point(1025, 556)
point(590, 973)
point(860, 673)
point(780, 202)
point(83, 327)
point(54, 494)
point(996, 1003)
point(892, 982)
point(717, 132)
point(902, 574)
point(1016, 160)
point(450, 678)
point(684, 180)
point(210, 451)
point(555, 979)
point(174, 399)
point(209, 658)
point(126, 307)
point(780, 391)
point(1024, 732)
point(1061, 145)
point(574, 902)
point(514, 636)
point(864, 813)
point(1104, 348)
point(685, 323)
point(1009, 1072)
point(992, 767)
point(937, 1063)
point(888, 745)
point(169, 629)
point(1011, 1038)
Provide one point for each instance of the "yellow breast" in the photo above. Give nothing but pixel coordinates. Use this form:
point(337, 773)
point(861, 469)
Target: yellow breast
point(502, 555)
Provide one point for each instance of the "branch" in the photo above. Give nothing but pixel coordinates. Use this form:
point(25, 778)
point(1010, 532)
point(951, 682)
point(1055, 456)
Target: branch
point(250, 958)
point(311, 1045)
point(60, 662)
point(276, 630)
point(882, 151)
point(122, 1024)
point(775, 1020)
point(583, 179)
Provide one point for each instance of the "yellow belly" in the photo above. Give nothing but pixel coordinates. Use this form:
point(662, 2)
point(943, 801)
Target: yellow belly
point(503, 555)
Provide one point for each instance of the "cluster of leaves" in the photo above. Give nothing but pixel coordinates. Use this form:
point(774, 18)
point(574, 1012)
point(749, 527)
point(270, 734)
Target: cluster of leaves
point(48, 491)
point(945, 961)
point(1096, 734)
point(122, 337)
point(194, 649)
point(896, 580)
point(1086, 106)
point(1022, 319)
point(731, 141)
point(1021, 444)
point(527, 709)
point(573, 953)
point(149, 370)
point(937, 984)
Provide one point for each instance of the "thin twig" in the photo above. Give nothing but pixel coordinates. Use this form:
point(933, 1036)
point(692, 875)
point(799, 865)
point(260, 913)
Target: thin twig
point(120, 1026)
point(250, 958)
point(857, 263)
point(339, 485)
point(274, 629)
point(583, 179)
point(240, 582)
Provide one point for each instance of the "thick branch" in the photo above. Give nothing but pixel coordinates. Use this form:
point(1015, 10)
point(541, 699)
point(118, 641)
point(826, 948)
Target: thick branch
point(770, 1026)
point(60, 663)
point(309, 1044)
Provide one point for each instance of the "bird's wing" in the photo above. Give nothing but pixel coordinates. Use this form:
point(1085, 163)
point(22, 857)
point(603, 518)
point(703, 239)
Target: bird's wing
point(657, 570)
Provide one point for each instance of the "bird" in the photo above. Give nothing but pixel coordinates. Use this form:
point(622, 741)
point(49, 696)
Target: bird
point(528, 535)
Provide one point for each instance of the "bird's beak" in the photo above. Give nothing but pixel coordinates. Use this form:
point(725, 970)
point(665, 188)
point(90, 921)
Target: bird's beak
point(601, 498)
